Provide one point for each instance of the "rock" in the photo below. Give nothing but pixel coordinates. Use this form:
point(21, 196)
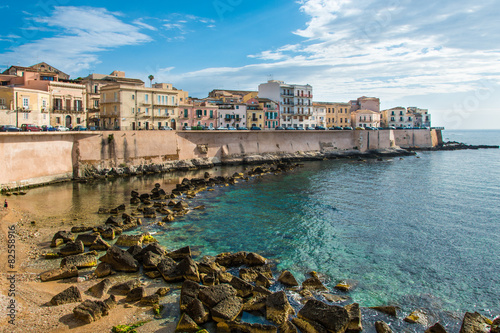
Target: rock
point(120, 260)
point(288, 279)
point(278, 309)
point(57, 242)
point(149, 212)
point(134, 194)
point(103, 269)
point(343, 286)
point(354, 317)
point(70, 295)
point(313, 283)
point(108, 234)
point(474, 323)
point(333, 318)
point(77, 230)
point(114, 221)
point(148, 239)
point(417, 317)
point(251, 274)
point(436, 328)
point(154, 248)
point(100, 245)
point(382, 327)
point(198, 312)
point(189, 292)
point(135, 294)
point(180, 253)
point(256, 303)
point(169, 218)
point(231, 259)
point(59, 273)
point(129, 240)
point(90, 311)
point(335, 298)
point(288, 327)
point(227, 309)
point(151, 299)
point(186, 324)
point(234, 326)
point(83, 260)
point(88, 239)
point(254, 259)
point(66, 236)
point(135, 251)
point(184, 270)
point(103, 211)
point(100, 289)
point(153, 274)
point(243, 288)
point(180, 206)
point(135, 201)
point(262, 281)
point(151, 260)
point(121, 208)
point(389, 310)
point(162, 291)
point(72, 248)
point(211, 296)
point(124, 288)
point(495, 326)
point(208, 265)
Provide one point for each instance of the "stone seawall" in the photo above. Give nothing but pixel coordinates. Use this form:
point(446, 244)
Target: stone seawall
point(35, 158)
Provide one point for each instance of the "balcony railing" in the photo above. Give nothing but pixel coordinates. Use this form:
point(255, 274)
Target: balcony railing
point(62, 109)
point(287, 94)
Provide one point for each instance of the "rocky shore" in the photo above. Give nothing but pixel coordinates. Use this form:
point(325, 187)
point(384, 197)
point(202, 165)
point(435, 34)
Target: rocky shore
point(109, 277)
point(453, 145)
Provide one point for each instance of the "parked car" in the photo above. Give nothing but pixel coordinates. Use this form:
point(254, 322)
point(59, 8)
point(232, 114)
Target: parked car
point(348, 128)
point(165, 128)
point(221, 128)
point(231, 128)
point(30, 128)
point(320, 128)
point(290, 128)
point(300, 128)
point(242, 128)
point(79, 128)
point(360, 128)
point(48, 128)
point(255, 128)
point(9, 128)
point(186, 128)
point(61, 128)
point(309, 128)
point(279, 128)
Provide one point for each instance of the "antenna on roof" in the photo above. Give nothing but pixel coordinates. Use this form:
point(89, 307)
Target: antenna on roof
point(270, 77)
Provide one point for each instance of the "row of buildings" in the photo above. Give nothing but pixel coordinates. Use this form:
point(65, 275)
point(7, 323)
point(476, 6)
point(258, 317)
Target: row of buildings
point(43, 95)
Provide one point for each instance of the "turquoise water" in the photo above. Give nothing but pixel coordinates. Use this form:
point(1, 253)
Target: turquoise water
point(415, 232)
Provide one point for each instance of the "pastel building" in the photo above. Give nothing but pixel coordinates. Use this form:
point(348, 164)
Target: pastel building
point(231, 96)
point(337, 114)
point(397, 117)
point(232, 115)
point(365, 103)
point(295, 102)
point(365, 118)
point(422, 117)
point(199, 113)
point(125, 106)
point(24, 106)
point(256, 116)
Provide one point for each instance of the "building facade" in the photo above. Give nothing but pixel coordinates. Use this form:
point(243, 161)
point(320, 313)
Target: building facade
point(256, 116)
point(422, 116)
point(199, 113)
point(365, 103)
point(295, 102)
point(24, 106)
point(336, 114)
point(136, 107)
point(232, 115)
point(365, 118)
point(397, 117)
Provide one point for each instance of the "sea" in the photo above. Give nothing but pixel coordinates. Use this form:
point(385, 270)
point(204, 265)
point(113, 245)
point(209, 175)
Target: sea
point(418, 232)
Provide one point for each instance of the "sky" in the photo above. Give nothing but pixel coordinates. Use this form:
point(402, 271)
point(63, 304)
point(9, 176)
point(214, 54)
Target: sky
point(440, 55)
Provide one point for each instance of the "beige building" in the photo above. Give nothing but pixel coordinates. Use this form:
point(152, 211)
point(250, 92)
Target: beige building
point(337, 114)
point(133, 107)
point(422, 117)
point(24, 106)
point(231, 96)
point(365, 103)
point(365, 118)
point(93, 83)
point(43, 68)
point(397, 117)
point(255, 114)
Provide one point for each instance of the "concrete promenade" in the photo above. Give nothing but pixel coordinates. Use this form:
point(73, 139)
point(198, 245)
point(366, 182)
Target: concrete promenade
point(36, 158)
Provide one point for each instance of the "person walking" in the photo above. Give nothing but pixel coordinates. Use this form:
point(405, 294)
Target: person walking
point(5, 204)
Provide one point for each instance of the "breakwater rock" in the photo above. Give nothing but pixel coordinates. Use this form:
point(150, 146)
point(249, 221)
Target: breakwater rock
point(453, 145)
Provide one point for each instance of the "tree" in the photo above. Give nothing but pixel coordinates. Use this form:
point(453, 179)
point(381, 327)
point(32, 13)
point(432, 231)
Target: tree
point(151, 78)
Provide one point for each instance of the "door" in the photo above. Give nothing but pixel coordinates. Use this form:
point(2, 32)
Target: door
point(68, 122)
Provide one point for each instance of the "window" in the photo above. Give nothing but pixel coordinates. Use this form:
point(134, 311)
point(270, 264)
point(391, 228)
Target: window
point(26, 115)
point(133, 110)
point(116, 96)
point(96, 89)
point(2, 101)
point(185, 113)
point(211, 113)
point(26, 102)
point(96, 104)
point(139, 111)
point(147, 110)
point(146, 97)
point(115, 109)
point(78, 120)
point(205, 113)
point(159, 99)
point(44, 116)
point(133, 97)
point(173, 100)
point(58, 120)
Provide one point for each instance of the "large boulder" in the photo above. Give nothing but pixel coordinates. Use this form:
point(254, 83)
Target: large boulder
point(154, 248)
point(103, 269)
point(227, 309)
point(243, 288)
point(331, 318)
point(198, 312)
point(151, 260)
point(387, 309)
point(100, 289)
point(186, 269)
point(186, 324)
point(124, 288)
point(417, 317)
point(84, 260)
point(251, 274)
point(436, 328)
point(114, 221)
point(180, 206)
point(189, 292)
point(180, 253)
point(99, 245)
point(59, 273)
point(231, 259)
point(108, 233)
point(288, 279)
point(288, 327)
point(278, 309)
point(64, 236)
point(88, 239)
point(149, 212)
point(90, 311)
point(120, 260)
point(313, 283)
point(213, 295)
point(72, 248)
point(70, 295)
point(475, 323)
point(129, 240)
point(234, 326)
point(382, 327)
point(495, 326)
point(254, 259)
point(354, 312)
point(135, 294)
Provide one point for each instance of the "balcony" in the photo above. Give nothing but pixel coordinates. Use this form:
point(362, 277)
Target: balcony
point(287, 103)
point(66, 110)
point(287, 94)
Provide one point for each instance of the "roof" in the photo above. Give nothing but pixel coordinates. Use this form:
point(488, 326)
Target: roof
point(366, 111)
point(234, 92)
point(331, 103)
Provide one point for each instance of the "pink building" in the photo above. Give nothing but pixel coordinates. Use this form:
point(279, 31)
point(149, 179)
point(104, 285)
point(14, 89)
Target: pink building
point(198, 113)
point(365, 103)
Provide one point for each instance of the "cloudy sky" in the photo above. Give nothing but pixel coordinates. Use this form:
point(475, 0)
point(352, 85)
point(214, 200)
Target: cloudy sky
point(443, 55)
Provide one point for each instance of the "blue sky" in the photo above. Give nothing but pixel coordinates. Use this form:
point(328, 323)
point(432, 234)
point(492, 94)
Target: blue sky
point(443, 55)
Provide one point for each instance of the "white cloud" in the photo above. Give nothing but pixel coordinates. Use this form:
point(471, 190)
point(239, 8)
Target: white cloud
point(82, 32)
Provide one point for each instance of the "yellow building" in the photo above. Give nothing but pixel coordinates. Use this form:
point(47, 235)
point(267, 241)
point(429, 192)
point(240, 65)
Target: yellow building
point(133, 107)
point(337, 114)
point(24, 106)
point(255, 114)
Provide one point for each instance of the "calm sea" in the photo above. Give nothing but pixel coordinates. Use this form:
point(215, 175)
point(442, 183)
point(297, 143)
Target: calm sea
point(418, 232)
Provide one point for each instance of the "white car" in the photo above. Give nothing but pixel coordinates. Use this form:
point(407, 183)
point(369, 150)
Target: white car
point(221, 128)
point(61, 128)
point(166, 128)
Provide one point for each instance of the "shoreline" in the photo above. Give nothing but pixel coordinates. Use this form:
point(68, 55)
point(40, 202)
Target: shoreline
point(48, 289)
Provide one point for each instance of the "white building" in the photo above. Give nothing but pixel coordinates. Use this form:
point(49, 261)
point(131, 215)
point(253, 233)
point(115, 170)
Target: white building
point(296, 107)
point(365, 118)
point(397, 117)
point(232, 115)
point(422, 117)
